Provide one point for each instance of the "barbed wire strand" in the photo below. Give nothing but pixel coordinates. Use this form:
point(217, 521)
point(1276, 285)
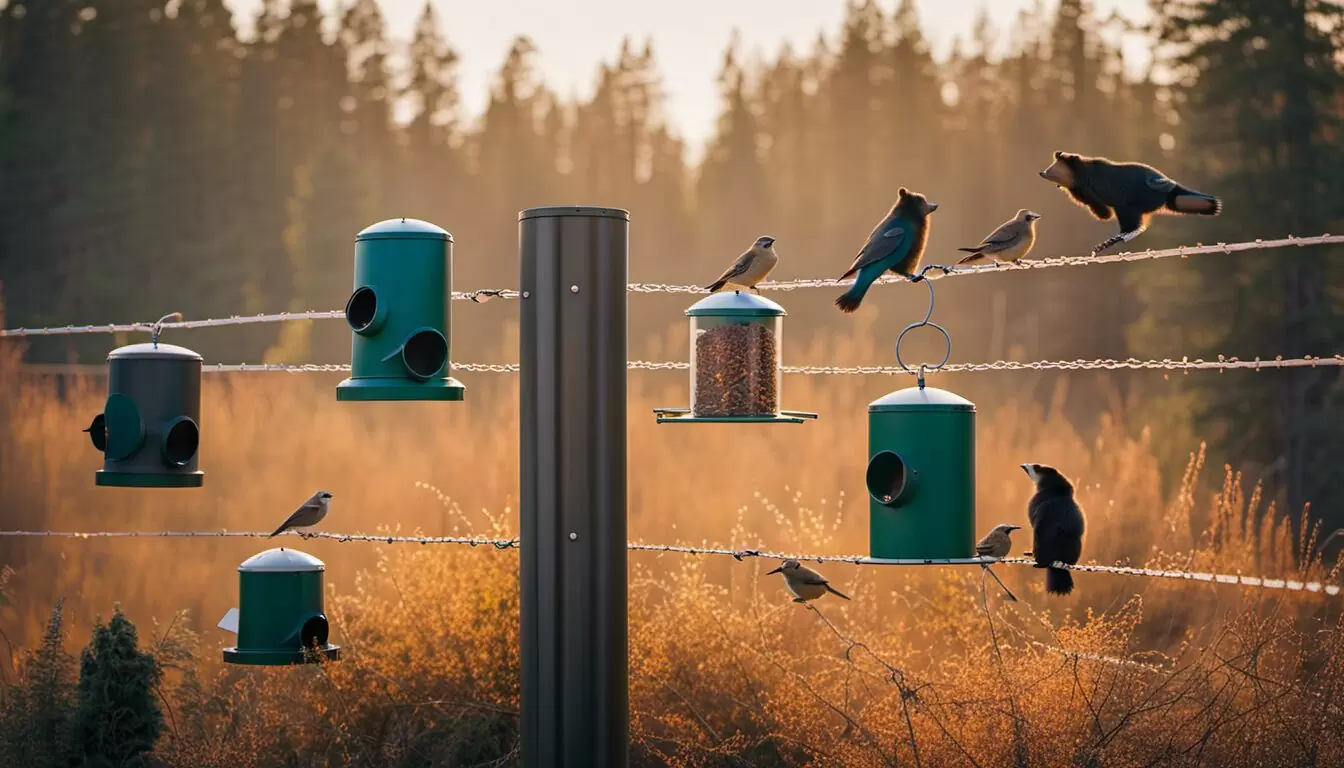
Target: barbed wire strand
point(484, 294)
point(1223, 363)
point(1265, 582)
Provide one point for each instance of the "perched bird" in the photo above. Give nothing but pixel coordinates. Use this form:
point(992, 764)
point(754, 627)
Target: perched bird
point(895, 244)
point(751, 267)
point(1057, 526)
point(805, 583)
point(997, 544)
point(1132, 191)
point(310, 513)
point(98, 432)
point(1011, 241)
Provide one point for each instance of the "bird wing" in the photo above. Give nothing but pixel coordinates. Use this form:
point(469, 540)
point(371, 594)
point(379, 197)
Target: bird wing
point(1006, 235)
point(812, 577)
point(1159, 183)
point(740, 266)
point(886, 238)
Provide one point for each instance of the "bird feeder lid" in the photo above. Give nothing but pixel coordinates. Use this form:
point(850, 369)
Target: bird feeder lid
point(404, 229)
point(561, 211)
point(148, 351)
point(920, 399)
point(735, 304)
point(282, 560)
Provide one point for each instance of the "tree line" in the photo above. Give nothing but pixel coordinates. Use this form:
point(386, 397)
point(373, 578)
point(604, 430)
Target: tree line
point(153, 159)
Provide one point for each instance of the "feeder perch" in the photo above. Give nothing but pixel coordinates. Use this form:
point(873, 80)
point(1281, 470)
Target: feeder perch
point(921, 475)
point(279, 619)
point(399, 314)
point(149, 430)
point(737, 344)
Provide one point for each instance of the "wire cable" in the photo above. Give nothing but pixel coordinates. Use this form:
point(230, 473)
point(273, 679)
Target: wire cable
point(1264, 582)
point(484, 294)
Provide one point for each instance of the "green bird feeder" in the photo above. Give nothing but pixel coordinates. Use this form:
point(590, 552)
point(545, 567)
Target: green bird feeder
point(149, 431)
point(737, 346)
point(280, 618)
point(921, 475)
point(399, 314)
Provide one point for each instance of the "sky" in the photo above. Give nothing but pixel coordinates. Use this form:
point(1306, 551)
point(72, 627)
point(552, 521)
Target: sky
point(689, 36)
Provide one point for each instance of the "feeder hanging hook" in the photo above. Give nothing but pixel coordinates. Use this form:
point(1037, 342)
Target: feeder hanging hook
point(947, 339)
point(157, 328)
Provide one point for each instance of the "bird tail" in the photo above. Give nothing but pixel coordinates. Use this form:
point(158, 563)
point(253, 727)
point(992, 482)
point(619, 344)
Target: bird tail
point(975, 254)
point(836, 592)
point(970, 250)
point(716, 285)
point(1058, 581)
point(849, 300)
point(278, 531)
point(1184, 200)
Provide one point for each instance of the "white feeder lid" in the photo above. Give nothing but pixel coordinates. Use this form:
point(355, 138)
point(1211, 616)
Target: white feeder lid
point(282, 560)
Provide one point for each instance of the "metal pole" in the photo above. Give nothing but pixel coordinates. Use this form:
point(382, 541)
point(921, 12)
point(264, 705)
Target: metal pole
point(575, 700)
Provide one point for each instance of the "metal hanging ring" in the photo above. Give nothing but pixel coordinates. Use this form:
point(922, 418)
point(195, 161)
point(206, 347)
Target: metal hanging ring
point(947, 338)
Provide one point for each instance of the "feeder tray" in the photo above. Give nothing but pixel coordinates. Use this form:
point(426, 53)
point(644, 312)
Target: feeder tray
point(280, 618)
point(149, 430)
point(400, 315)
point(736, 342)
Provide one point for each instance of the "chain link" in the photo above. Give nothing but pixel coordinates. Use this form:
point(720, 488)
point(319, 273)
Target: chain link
point(484, 294)
point(1184, 364)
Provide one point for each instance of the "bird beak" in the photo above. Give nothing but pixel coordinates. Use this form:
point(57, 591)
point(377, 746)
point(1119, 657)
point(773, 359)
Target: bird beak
point(1014, 527)
point(1034, 216)
point(1043, 176)
point(1030, 472)
point(777, 570)
point(933, 207)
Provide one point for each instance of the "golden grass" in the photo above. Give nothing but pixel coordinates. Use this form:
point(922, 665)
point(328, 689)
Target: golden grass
point(724, 669)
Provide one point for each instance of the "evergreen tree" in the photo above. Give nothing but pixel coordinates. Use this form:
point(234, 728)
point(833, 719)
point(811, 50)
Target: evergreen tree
point(117, 718)
point(1262, 88)
point(731, 193)
point(36, 715)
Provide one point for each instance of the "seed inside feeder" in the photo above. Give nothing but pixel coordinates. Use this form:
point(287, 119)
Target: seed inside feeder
point(736, 371)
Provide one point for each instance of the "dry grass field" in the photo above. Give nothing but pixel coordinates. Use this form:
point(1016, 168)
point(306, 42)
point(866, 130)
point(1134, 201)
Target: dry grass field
point(724, 669)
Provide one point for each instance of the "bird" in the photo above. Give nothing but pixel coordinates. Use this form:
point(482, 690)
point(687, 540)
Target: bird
point(751, 267)
point(98, 432)
point(309, 514)
point(805, 583)
point(1011, 241)
point(1057, 525)
point(1133, 192)
point(896, 244)
point(997, 544)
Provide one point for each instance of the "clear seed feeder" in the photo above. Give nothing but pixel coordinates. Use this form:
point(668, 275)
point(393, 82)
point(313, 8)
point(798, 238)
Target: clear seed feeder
point(737, 345)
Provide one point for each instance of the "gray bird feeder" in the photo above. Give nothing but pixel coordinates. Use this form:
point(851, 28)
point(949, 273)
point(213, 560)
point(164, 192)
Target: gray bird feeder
point(280, 618)
point(149, 431)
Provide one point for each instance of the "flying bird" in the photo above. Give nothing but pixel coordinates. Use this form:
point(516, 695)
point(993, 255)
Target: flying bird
point(805, 583)
point(1011, 241)
point(896, 244)
point(1133, 192)
point(309, 514)
point(1057, 526)
point(997, 544)
point(751, 267)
